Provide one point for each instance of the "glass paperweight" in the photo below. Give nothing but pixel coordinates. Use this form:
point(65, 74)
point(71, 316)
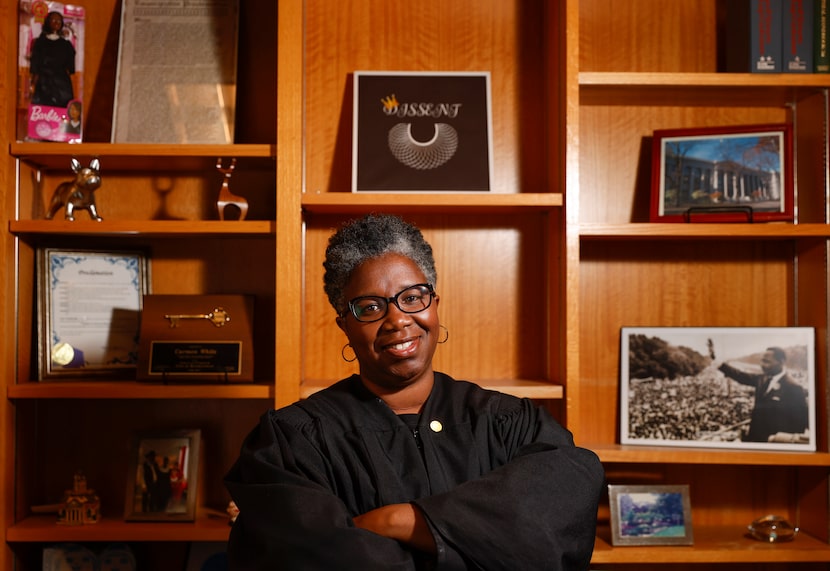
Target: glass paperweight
point(772, 529)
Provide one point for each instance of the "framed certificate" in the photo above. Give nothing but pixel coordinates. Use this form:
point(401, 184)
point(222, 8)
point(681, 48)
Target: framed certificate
point(89, 304)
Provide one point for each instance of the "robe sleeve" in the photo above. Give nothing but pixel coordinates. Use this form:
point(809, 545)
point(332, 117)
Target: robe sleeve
point(290, 518)
point(537, 511)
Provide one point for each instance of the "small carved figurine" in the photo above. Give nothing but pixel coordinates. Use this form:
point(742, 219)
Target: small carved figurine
point(80, 505)
point(78, 194)
point(226, 197)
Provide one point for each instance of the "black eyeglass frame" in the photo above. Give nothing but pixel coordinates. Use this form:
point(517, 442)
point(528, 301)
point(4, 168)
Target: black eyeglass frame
point(387, 300)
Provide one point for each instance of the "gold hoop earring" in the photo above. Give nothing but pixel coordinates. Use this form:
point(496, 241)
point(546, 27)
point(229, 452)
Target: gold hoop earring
point(343, 353)
point(446, 334)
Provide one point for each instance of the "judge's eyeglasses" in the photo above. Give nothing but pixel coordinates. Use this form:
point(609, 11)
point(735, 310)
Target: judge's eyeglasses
point(368, 308)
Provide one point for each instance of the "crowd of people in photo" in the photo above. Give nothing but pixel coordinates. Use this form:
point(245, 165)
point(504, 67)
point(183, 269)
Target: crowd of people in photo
point(707, 406)
point(702, 407)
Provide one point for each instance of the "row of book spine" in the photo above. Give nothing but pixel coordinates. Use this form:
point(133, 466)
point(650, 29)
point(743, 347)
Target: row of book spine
point(791, 36)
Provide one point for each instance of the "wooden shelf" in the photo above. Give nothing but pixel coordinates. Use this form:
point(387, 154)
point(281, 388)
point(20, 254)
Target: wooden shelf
point(144, 157)
point(471, 202)
point(517, 387)
point(697, 89)
point(715, 544)
point(698, 231)
point(210, 526)
point(145, 228)
point(135, 390)
point(615, 454)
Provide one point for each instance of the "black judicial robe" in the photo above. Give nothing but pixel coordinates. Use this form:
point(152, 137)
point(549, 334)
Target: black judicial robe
point(500, 482)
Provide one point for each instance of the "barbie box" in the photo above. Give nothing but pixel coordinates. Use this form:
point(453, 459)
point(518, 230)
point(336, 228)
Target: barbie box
point(50, 71)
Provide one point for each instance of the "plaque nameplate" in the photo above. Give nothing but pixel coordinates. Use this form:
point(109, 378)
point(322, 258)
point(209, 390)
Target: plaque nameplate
point(195, 357)
point(187, 338)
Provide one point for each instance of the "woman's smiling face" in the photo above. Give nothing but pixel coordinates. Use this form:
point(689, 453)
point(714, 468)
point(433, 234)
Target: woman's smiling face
point(395, 351)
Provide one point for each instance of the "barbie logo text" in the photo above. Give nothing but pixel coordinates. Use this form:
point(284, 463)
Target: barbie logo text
point(39, 113)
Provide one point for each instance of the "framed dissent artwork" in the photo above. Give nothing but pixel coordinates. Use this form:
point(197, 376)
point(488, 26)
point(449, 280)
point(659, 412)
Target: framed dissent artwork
point(162, 478)
point(718, 387)
point(723, 174)
point(422, 131)
point(650, 515)
point(89, 304)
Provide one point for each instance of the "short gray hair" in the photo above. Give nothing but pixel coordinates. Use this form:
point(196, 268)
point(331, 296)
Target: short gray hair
point(369, 237)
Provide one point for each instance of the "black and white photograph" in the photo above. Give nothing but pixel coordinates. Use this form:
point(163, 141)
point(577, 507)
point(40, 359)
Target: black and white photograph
point(650, 515)
point(718, 387)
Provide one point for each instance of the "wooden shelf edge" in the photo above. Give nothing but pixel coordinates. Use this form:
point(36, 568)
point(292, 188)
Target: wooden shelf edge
point(157, 228)
point(353, 203)
point(646, 231)
point(628, 454)
point(715, 544)
point(713, 79)
point(695, 89)
point(207, 527)
point(20, 149)
point(137, 390)
point(539, 390)
point(129, 157)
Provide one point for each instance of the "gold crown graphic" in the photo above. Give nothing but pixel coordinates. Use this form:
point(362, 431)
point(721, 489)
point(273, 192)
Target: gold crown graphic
point(389, 102)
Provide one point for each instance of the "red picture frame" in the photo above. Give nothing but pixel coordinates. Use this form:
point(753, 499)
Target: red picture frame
point(723, 174)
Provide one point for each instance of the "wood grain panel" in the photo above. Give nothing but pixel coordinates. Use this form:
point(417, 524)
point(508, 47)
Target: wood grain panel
point(503, 37)
point(647, 35)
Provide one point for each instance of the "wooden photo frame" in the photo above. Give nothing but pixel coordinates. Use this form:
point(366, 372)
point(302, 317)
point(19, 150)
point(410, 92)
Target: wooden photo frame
point(422, 132)
point(89, 305)
point(163, 476)
point(723, 174)
point(650, 515)
point(719, 387)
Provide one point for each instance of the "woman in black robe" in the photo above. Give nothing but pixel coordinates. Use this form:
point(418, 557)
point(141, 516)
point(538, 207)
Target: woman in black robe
point(401, 467)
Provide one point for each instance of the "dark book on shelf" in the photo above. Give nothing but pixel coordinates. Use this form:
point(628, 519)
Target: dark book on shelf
point(750, 36)
point(765, 35)
point(821, 58)
point(797, 36)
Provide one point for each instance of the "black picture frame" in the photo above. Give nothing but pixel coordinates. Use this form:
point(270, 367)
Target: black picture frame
point(422, 132)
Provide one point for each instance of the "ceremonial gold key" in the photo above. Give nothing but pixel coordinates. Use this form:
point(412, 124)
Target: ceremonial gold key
point(218, 317)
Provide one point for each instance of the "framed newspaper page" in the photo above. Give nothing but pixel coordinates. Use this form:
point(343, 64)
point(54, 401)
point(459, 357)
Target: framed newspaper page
point(176, 78)
point(422, 132)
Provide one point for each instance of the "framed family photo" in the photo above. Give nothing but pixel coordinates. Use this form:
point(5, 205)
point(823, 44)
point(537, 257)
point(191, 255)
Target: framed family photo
point(422, 132)
point(718, 387)
point(650, 515)
point(162, 479)
point(722, 174)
